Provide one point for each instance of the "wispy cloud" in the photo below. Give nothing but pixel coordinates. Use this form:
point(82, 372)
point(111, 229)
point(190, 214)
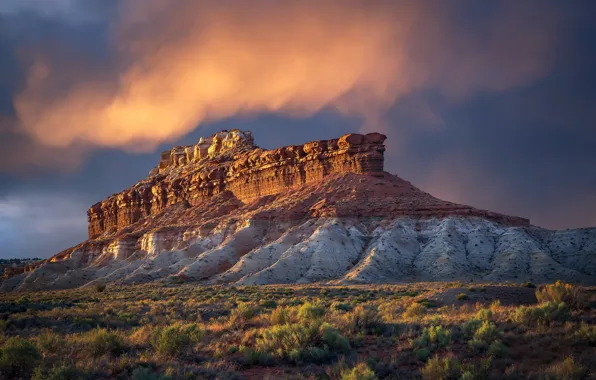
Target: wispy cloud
point(180, 66)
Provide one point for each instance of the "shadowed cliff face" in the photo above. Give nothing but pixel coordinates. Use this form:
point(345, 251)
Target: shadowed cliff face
point(229, 161)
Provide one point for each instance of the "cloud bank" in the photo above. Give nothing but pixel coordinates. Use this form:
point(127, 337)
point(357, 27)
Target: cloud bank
point(172, 68)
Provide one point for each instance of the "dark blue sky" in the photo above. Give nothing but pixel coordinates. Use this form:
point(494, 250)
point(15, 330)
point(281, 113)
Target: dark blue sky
point(495, 108)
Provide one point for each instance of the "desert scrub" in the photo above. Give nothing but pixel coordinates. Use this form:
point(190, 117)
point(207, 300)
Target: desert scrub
point(175, 340)
point(362, 320)
point(61, 372)
point(432, 338)
point(282, 315)
point(585, 334)
point(48, 342)
point(101, 341)
point(310, 311)
point(441, 369)
point(484, 314)
point(307, 341)
point(143, 373)
point(360, 372)
point(462, 297)
point(541, 315)
point(560, 292)
point(242, 314)
point(449, 368)
point(415, 310)
point(18, 357)
point(568, 369)
point(485, 335)
point(340, 307)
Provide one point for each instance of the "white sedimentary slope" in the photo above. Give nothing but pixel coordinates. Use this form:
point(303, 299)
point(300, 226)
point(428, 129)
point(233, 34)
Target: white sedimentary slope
point(345, 250)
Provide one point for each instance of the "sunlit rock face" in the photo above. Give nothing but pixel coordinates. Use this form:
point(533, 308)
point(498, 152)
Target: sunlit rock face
point(229, 161)
point(226, 211)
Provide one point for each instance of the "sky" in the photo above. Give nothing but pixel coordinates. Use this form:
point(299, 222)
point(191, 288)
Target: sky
point(487, 103)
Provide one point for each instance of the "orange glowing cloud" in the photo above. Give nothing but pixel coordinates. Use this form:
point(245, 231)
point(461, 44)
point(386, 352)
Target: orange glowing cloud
point(199, 61)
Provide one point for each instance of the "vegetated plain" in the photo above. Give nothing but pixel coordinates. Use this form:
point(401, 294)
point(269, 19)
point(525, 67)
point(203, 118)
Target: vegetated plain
point(187, 331)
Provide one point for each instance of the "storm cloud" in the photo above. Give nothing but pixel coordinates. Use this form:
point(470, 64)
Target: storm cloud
point(484, 103)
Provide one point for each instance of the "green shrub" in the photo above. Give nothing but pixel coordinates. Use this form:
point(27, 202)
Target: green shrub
point(255, 357)
point(462, 297)
point(48, 342)
point(174, 340)
point(305, 341)
point(441, 369)
point(100, 288)
point(415, 310)
point(469, 327)
point(360, 372)
point(18, 358)
point(281, 315)
point(560, 292)
point(586, 334)
point(543, 314)
point(102, 341)
point(484, 314)
point(485, 335)
point(362, 319)
point(242, 314)
point(310, 311)
point(497, 349)
point(429, 304)
point(269, 304)
point(143, 373)
point(568, 369)
point(341, 306)
point(422, 354)
point(433, 338)
point(62, 372)
point(528, 284)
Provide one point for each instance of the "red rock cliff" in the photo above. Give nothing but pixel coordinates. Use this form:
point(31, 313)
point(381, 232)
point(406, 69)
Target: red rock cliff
point(229, 161)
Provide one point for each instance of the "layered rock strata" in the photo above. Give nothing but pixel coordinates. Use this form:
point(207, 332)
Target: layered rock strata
point(224, 211)
point(229, 161)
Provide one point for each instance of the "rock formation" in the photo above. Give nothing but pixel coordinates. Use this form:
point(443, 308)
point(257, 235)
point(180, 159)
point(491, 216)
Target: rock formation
point(226, 211)
point(229, 161)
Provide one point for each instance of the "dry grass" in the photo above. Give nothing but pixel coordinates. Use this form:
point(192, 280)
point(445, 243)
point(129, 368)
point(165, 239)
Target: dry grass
point(302, 332)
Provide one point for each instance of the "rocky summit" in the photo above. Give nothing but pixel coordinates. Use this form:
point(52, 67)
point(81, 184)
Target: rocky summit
point(226, 211)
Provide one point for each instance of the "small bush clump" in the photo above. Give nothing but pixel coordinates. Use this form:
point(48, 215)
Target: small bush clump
point(18, 357)
point(485, 335)
point(362, 319)
point(433, 338)
point(560, 292)
point(341, 306)
point(441, 368)
point(102, 341)
point(242, 314)
point(568, 369)
point(309, 311)
point(281, 315)
point(62, 372)
point(586, 334)
point(175, 340)
point(360, 372)
point(310, 341)
point(415, 310)
point(462, 297)
point(543, 314)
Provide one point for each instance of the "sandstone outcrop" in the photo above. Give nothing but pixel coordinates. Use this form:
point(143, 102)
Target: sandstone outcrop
point(226, 211)
point(229, 161)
